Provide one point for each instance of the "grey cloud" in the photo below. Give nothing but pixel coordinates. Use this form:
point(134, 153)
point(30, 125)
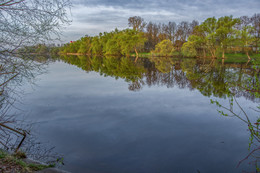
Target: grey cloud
point(94, 16)
point(171, 4)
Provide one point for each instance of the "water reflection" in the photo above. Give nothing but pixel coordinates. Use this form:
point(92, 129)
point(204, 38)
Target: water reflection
point(210, 77)
point(167, 125)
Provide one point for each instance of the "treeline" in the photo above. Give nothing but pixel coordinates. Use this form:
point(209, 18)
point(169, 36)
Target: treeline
point(112, 43)
point(212, 38)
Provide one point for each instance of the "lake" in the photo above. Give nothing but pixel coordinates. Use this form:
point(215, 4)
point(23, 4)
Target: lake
point(115, 115)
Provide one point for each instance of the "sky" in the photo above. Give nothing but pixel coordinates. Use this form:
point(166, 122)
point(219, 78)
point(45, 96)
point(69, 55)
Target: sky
point(90, 17)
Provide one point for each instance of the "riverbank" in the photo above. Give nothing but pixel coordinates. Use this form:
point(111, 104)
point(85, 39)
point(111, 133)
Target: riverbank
point(12, 163)
point(229, 57)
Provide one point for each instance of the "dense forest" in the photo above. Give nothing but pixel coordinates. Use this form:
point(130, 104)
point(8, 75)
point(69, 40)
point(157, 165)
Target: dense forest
point(212, 38)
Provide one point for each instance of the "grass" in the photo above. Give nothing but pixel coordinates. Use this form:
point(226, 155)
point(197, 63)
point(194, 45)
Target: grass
point(148, 54)
point(240, 58)
point(142, 54)
point(14, 163)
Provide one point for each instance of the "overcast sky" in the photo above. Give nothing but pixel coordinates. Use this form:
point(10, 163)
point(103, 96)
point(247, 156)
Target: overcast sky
point(89, 17)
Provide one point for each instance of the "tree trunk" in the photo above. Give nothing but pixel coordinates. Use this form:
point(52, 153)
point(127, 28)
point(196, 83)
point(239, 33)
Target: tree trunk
point(248, 56)
point(136, 53)
point(136, 58)
point(223, 54)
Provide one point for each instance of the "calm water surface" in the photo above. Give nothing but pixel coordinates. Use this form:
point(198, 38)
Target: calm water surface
point(113, 115)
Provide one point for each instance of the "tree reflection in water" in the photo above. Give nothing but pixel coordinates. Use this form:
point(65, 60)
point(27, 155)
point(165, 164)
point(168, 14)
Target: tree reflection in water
point(211, 77)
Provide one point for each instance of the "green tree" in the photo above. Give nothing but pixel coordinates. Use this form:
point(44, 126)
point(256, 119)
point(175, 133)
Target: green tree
point(188, 49)
point(225, 32)
point(164, 48)
point(74, 46)
point(96, 45)
point(131, 40)
point(112, 45)
point(208, 30)
point(85, 45)
point(245, 38)
point(196, 44)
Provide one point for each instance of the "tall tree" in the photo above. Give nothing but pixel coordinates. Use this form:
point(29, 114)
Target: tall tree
point(137, 23)
point(208, 30)
point(131, 40)
point(183, 31)
point(96, 46)
point(194, 46)
point(171, 31)
point(152, 33)
point(244, 36)
point(193, 25)
point(225, 32)
point(85, 45)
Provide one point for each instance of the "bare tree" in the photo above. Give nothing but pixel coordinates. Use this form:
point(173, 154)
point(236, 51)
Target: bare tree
point(172, 31)
point(22, 23)
point(137, 23)
point(256, 25)
point(193, 24)
point(29, 21)
point(152, 32)
point(183, 31)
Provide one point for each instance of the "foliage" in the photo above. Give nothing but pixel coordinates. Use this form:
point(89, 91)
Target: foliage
point(85, 45)
point(96, 46)
point(116, 42)
point(131, 40)
point(188, 49)
point(245, 38)
point(225, 32)
point(164, 48)
point(214, 37)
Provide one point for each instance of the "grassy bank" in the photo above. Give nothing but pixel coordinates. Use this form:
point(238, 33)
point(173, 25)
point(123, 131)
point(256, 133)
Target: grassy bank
point(16, 163)
point(149, 54)
point(241, 58)
point(229, 57)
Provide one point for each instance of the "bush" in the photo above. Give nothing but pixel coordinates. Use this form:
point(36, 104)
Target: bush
point(164, 48)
